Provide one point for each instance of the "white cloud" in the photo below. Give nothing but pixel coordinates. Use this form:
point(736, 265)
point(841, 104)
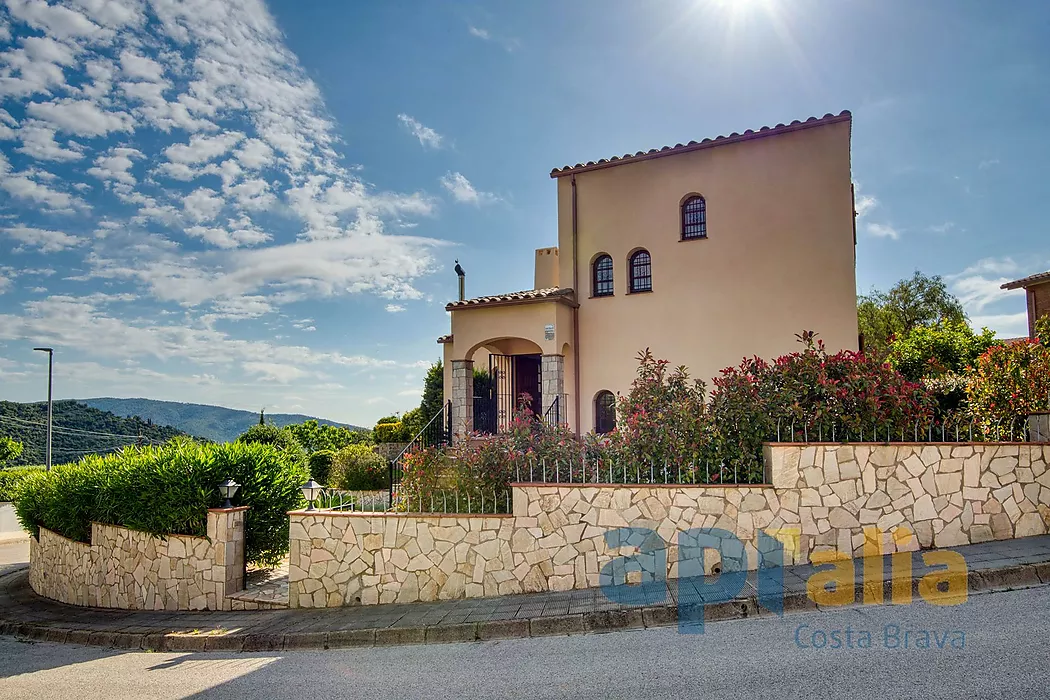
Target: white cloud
point(80, 117)
point(882, 230)
point(985, 164)
point(428, 138)
point(509, 44)
point(201, 149)
point(116, 164)
point(254, 154)
point(462, 191)
point(202, 204)
point(395, 308)
point(275, 372)
point(943, 227)
point(141, 67)
point(1005, 325)
point(45, 240)
point(38, 141)
point(237, 234)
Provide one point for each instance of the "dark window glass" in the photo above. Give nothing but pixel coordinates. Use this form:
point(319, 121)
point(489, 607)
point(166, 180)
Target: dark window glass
point(603, 276)
point(694, 218)
point(604, 412)
point(641, 272)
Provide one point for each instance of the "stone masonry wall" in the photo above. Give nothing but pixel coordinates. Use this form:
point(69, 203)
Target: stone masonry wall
point(820, 497)
point(133, 570)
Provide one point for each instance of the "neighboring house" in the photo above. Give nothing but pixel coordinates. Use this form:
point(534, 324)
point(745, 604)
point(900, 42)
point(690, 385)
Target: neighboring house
point(705, 252)
point(1037, 289)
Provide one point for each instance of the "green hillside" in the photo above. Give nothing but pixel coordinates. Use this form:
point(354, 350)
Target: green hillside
point(212, 422)
point(78, 430)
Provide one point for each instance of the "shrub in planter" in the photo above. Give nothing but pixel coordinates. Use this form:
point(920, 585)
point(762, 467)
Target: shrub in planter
point(168, 490)
point(1008, 383)
point(359, 468)
point(11, 478)
point(320, 463)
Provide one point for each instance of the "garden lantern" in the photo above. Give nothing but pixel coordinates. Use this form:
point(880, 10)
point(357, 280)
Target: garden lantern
point(228, 489)
point(311, 489)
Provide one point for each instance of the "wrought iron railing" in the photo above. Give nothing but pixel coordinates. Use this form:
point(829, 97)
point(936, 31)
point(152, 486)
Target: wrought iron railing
point(437, 431)
point(557, 412)
point(959, 429)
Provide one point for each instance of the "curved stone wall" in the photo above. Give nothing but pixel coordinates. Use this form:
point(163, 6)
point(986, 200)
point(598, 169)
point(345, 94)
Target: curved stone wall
point(132, 570)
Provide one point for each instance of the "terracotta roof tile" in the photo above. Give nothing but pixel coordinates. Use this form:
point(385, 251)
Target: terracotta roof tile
point(1028, 281)
point(706, 143)
point(512, 297)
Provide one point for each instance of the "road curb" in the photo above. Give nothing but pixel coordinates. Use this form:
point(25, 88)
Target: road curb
point(989, 580)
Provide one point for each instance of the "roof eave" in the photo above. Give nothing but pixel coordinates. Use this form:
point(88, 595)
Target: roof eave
point(748, 135)
point(560, 299)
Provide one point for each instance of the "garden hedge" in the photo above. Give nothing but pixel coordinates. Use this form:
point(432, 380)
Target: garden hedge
point(11, 478)
point(168, 490)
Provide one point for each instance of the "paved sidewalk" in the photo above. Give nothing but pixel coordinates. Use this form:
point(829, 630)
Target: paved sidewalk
point(992, 566)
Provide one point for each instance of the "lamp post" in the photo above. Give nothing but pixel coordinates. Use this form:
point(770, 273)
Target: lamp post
point(311, 489)
point(228, 489)
point(50, 365)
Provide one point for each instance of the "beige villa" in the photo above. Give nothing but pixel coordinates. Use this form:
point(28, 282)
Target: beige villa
point(705, 252)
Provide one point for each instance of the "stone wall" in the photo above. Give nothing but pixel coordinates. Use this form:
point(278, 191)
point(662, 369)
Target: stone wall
point(820, 497)
point(133, 570)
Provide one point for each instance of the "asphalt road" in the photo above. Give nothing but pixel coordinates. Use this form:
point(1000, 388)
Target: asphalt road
point(1005, 653)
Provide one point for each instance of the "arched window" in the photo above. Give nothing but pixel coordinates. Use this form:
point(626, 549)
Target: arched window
point(603, 276)
point(604, 412)
point(641, 271)
point(694, 218)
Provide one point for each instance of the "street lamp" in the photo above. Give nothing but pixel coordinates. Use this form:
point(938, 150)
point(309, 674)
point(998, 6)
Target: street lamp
point(50, 365)
point(228, 489)
point(311, 489)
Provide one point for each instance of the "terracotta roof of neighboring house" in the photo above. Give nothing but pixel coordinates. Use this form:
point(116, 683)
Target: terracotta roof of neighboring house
point(706, 143)
point(1028, 281)
point(445, 339)
point(551, 293)
point(1011, 341)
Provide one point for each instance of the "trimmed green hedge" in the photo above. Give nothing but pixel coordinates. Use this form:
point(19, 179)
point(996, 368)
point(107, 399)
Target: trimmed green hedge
point(11, 478)
point(359, 468)
point(168, 490)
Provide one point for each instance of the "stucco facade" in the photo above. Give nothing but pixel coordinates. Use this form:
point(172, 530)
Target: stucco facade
point(778, 258)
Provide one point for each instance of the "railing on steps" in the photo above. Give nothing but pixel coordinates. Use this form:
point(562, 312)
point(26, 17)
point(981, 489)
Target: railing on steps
point(556, 413)
point(437, 431)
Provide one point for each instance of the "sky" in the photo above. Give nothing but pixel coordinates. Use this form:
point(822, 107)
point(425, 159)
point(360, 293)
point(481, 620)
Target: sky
point(259, 205)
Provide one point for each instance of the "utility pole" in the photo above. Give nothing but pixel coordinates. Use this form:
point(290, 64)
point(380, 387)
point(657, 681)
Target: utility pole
point(50, 366)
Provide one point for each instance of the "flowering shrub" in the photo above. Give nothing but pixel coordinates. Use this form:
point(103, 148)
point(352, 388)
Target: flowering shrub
point(1008, 383)
point(811, 395)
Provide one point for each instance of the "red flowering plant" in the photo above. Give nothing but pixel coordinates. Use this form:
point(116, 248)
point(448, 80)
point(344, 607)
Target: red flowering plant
point(1008, 383)
point(810, 396)
point(662, 427)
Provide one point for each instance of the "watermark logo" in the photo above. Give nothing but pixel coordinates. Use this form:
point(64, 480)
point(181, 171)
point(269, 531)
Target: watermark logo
point(638, 575)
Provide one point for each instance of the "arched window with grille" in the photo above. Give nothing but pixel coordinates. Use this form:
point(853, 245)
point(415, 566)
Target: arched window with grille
point(602, 285)
point(694, 217)
point(640, 268)
point(604, 412)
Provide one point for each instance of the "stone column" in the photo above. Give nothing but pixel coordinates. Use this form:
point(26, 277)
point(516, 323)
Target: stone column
point(552, 386)
point(226, 532)
point(1039, 427)
point(462, 398)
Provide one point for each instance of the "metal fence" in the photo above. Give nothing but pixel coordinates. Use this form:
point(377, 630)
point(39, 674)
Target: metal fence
point(950, 430)
point(436, 502)
point(437, 432)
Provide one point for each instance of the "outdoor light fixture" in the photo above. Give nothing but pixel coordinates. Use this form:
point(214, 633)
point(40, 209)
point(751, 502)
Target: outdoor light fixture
point(228, 489)
point(311, 489)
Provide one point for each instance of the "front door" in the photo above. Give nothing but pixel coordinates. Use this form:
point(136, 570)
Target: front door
point(527, 381)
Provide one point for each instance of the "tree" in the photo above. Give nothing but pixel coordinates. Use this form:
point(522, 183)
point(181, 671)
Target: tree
point(1042, 330)
point(315, 437)
point(919, 301)
point(433, 391)
point(947, 347)
point(9, 449)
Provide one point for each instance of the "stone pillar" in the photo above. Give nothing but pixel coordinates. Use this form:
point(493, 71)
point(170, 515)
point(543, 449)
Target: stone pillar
point(462, 398)
point(552, 386)
point(226, 532)
point(1039, 427)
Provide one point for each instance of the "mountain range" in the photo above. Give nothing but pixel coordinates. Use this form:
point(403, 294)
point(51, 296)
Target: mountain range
point(212, 422)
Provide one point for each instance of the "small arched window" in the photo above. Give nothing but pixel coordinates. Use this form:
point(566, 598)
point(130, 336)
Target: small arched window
point(641, 271)
point(603, 276)
point(604, 412)
point(694, 218)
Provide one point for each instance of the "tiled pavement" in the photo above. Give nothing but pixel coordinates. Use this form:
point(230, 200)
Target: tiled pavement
point(992, 566)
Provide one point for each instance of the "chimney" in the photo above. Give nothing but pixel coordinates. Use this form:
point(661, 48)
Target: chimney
point(462, 281)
